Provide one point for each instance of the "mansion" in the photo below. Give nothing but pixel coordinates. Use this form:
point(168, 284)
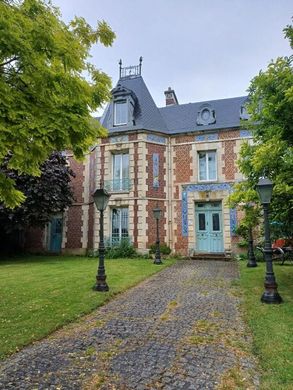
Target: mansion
point(180, 158)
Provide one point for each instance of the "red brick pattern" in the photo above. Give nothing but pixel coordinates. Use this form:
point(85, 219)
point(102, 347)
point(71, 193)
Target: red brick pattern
point(132, 137)
point(228, 134)
point(229, 158)
point(92, 187)
point(181, 164)
point(161, 191)
point(151, 233)
point(181, 243)
point(34, 239)
point(74, 224)
point(135, 193)
point(184, 138)
point(74, 221)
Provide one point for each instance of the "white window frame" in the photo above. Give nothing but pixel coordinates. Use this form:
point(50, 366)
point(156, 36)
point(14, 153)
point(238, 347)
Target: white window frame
point(121, 177)
point(120, 236)
point(207, 153)
point(122, 102)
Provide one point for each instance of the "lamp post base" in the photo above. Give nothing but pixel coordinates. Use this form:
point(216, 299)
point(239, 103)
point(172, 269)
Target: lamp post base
point(101, 284)
point(271, 294)
point(158, 261)
point(251, 263)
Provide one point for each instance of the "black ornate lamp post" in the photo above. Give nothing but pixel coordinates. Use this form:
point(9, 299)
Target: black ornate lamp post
point(265, 188)
point(157, 214)
point(251, 257)
point(101, 199)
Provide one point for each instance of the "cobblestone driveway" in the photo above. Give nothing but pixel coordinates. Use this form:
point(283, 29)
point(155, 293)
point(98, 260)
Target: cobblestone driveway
point(180, 329)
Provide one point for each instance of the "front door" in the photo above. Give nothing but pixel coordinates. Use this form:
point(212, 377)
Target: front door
point(209, 231)
point(56, 235)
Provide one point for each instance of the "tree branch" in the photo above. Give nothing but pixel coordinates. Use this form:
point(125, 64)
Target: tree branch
point(9, 61)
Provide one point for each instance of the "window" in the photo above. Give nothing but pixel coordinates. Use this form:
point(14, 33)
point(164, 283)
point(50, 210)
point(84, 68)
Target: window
point(121, 172)
point(119, 224)
point(120, 113)
point(207, 166)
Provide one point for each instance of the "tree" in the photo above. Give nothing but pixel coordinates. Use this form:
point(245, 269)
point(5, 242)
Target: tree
point(48, 89)
point(46, 195)
point(270, 106)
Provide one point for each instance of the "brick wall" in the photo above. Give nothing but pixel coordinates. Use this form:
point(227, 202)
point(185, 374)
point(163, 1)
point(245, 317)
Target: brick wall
point(151, 233)
point(182, 161)
point(229, 158)
point(159, 192)
point(74, 216)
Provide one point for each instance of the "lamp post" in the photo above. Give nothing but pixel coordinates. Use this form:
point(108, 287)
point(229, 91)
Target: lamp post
point(265, 188)
point(101, 199)
point(157, 214)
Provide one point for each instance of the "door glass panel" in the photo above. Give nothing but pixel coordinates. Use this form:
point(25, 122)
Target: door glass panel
point(216, 222)
point(201, 221)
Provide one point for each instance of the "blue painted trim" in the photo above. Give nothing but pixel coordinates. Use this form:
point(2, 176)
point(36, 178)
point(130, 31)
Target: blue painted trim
point(207, 137)
point(156, 170)
point(233, 222)
point(156, 138)
point(245, 134)
point(118, 139)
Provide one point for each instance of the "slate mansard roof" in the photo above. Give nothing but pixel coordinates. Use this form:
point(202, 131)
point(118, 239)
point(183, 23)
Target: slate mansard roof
point(173, 119)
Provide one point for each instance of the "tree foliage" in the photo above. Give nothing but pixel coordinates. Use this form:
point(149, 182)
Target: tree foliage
point(48, 89)
point(270, 106)
point(46, 194)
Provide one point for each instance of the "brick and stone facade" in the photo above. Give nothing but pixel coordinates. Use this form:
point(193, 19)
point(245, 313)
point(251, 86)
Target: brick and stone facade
point(162, 170)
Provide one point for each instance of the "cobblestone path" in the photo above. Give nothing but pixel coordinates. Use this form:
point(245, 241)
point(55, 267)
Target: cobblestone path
point(180, 329)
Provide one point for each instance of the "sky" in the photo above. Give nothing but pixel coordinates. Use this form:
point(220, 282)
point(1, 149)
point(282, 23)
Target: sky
point(203, 49)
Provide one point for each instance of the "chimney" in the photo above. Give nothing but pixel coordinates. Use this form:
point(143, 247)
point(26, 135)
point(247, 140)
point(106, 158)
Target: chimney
point(171, 97)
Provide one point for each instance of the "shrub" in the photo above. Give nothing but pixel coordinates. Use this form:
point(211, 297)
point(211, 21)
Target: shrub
point(164, 249)
point(123, 249)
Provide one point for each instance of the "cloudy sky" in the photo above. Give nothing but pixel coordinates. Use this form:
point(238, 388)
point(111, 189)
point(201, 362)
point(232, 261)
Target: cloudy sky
point(204, 49)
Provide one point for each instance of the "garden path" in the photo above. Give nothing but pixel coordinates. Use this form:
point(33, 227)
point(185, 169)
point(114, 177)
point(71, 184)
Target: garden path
point(180, 329)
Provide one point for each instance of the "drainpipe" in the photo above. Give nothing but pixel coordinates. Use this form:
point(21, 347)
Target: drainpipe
point(170, 194)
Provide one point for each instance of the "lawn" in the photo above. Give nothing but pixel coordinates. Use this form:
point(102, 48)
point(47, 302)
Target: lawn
point(271, 325)
point(40, 294)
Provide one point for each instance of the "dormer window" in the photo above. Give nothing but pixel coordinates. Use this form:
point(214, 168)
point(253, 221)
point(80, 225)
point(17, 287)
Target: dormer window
point(206, 116)
point(120, 113)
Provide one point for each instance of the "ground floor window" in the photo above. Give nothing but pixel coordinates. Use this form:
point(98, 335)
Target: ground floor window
point(119, 218)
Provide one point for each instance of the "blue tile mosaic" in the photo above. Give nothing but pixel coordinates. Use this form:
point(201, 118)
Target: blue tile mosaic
point(156, 170)
point(156, 138)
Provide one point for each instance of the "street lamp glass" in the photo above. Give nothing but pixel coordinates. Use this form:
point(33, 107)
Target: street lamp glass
point(265, 189)
point(101, 198)
point(157, 213)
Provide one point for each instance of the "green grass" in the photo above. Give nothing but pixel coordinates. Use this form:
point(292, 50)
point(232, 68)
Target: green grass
point(271, 325)
point(40, 294)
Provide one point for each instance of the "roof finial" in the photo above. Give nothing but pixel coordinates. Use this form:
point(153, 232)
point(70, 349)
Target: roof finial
point(140, 63)
point(120, 68)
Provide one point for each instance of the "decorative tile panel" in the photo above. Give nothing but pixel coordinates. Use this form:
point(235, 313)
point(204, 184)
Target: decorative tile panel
point(197, 188)
point(119, 139)
point(156, 170)
point(233, 221)
point(207, 137)
point(245, 134)
point(156, 138)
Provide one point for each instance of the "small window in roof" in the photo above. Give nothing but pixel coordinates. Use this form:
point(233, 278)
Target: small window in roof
point(120, 112)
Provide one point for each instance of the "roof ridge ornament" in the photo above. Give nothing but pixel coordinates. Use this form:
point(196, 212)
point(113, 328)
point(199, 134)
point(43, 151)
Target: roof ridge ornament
point(130, 71)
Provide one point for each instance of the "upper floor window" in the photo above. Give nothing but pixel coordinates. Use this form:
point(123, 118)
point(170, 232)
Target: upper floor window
point(207, 164)
point(120, 113)
point(121, 172)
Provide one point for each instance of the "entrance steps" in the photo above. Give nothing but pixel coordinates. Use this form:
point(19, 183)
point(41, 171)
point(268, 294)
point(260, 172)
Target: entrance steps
point(225, 256)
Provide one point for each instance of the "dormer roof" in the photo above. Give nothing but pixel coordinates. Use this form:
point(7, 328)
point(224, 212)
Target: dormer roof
point(172, 119)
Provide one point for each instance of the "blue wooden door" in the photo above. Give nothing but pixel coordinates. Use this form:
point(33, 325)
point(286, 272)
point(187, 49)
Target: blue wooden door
point(56, 235)
point(209, 231)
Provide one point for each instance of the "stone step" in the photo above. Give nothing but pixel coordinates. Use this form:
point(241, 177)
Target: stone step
point(211, 256)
